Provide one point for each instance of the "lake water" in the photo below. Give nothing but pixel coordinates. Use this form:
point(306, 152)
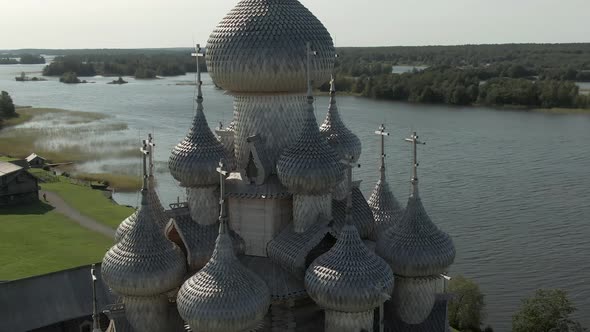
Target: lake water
point(512, 188)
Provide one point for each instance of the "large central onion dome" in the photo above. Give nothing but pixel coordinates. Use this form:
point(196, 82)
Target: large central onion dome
point(259, 47)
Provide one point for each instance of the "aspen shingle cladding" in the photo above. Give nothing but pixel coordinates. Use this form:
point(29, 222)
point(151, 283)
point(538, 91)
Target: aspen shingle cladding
point(415, 246)
point(436, 321)
point(289, 249)
point(310, 166)
point(159, 213)
point(349, 277)
point(194, 161)
point(340, 138)
point(144, 262)
point(199, 240)
point(224, 295)
point(385, 208)
point(362, 216)
point(260, 47)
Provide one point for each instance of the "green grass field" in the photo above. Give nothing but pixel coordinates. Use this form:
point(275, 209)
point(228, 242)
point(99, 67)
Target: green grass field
point(36, 240)
point(91, 203)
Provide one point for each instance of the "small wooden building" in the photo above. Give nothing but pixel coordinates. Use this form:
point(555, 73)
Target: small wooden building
point(36, 161)
point(17, 185)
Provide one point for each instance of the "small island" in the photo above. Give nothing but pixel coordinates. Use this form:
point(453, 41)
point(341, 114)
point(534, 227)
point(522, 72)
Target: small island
point(24, 78)
point(118, 81)
point(71, 78)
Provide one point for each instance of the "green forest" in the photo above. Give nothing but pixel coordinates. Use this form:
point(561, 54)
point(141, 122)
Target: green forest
point(529, 75)
point(514, 75)
point(24, 59)
point(138, 64)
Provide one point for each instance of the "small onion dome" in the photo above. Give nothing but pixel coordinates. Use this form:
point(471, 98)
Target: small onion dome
point(385, 207)
point(349, 277)
point(224, 295)
point(310, 166)
point(260, 47)
point(154, 201)
point(339, 137)
point(414, 246)
point(144, 262)
point(194, 160)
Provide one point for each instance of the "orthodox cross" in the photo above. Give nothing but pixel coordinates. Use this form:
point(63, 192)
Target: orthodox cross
point(151, 146)
point(145, 153)
point(415, 142)
point(349, 165)
point(223, 173)
point(95, 317)
point(382, 133)
point(199, 52)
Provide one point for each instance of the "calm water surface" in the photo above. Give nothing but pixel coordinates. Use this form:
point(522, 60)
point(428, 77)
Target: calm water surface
point(512, 188)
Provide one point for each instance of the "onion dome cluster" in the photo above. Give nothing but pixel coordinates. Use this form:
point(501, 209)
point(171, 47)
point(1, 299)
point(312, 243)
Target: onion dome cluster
point(194, 160)
point(224, 295)
point(144, 262)
point(415, 246)
point(259, 47)
point(349, 277)
point(310, 166)
point(339, 137)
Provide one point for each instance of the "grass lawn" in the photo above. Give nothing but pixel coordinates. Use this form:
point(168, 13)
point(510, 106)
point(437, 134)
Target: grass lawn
point(89, 202)
point(36, 240)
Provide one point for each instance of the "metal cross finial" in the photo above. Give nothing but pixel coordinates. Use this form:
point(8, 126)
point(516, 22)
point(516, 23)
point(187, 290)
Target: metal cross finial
point(332, 84)
point(198, 53)
point(349, 163)
point(223, 173)
point(415, 142)
point(309, 54)
point(381, 132)
point(145, 153)
point(151, 146)
point(95, 317)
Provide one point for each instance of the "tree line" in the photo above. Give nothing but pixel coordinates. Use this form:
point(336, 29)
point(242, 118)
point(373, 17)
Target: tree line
point(25, 59)
point(143, 66)
point(531, 75)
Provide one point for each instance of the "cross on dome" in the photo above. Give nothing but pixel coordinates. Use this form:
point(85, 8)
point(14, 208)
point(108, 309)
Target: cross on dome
point(415, 142)
point(381, 132)
point(199, 52)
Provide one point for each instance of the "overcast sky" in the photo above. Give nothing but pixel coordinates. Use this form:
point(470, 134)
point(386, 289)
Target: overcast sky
point(175, 23)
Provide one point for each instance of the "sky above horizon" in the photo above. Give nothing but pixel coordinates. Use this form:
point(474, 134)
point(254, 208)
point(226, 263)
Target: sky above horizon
point(176, 23)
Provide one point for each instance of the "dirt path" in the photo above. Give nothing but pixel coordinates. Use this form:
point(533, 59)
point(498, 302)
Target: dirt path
point(62, 207)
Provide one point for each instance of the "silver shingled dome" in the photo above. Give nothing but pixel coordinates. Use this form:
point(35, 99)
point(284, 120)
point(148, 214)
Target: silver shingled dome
point(224, 295)
point(159, 216)
point(310, 166)
point(259, 47)
point(414, 246)
point(144, 262)
point(333, 129)
point(193, 161)
point(385, 207)
point(349, 277)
